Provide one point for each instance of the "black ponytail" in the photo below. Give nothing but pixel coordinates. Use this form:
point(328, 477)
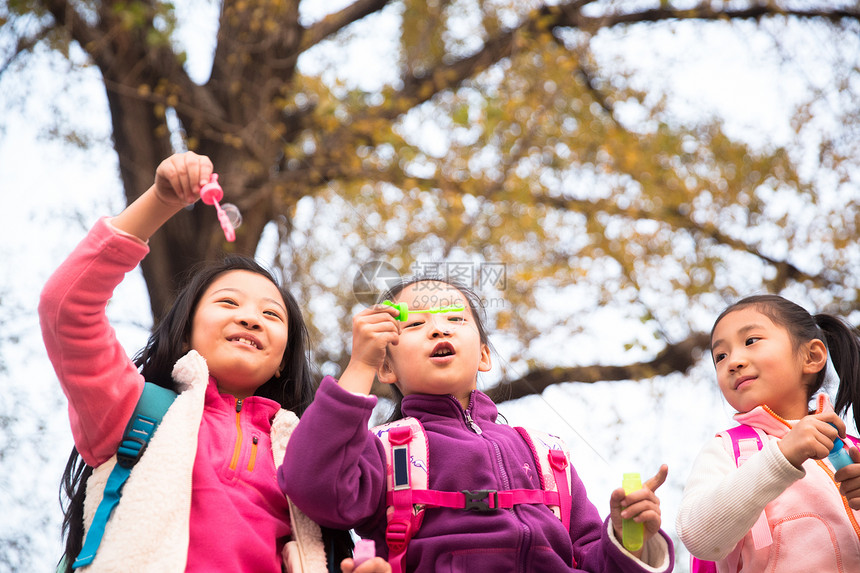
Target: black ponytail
point(843, 343)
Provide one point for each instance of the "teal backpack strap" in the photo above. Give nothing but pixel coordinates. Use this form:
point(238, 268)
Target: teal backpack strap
point(153, 403)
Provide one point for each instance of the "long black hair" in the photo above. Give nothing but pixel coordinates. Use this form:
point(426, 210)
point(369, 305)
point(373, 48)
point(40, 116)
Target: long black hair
point(841, 340)
point(292, 387)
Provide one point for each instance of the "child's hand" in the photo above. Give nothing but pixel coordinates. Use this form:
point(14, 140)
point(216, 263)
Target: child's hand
point(811, 438)
point(375, 565)
point(642, 506)
point(373, 329)
point(849, 479)
point(178, 178)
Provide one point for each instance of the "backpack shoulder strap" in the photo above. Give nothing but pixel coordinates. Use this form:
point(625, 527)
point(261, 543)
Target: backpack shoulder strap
point(151, 407)
point(553, 466)
point(408, 468)
point(404, 470)
point(743, 442)
point(700, 566)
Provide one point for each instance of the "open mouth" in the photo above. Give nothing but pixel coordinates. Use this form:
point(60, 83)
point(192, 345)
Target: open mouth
point(443, 349)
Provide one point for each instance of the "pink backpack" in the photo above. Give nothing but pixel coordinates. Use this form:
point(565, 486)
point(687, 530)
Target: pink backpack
point(408, 476)
point(744, 441)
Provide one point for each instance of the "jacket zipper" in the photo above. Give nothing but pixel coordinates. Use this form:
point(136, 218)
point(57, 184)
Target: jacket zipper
point(848, 511)
point(254, 441)
point(467, 415)
point(237, 448)
point(472, 425)
point(775, 415)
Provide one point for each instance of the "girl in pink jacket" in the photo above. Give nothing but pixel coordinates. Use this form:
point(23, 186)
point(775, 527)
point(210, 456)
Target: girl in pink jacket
point(784, 507)
point(204, 495)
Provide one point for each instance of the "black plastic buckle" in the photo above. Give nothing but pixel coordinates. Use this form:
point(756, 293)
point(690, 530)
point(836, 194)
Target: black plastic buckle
point(130, 451)
point(479, 500)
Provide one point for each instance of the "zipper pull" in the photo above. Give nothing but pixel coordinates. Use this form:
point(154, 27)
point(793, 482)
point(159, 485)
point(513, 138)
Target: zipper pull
point(472, 424)
point(238, 406)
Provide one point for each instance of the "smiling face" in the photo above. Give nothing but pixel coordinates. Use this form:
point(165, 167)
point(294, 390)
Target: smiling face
point(757, 364)
point(436, 353)
point(240, 328)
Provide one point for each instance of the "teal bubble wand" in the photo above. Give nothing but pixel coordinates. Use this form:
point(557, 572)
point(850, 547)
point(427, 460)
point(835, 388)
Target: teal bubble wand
point(839, 455)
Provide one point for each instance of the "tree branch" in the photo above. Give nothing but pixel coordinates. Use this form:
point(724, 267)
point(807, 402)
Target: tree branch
point(678, 357)
point(66, 17)
point(679, 221)
point(25, 44)
point(418, 89)
point(334, 23)
point(705, 12)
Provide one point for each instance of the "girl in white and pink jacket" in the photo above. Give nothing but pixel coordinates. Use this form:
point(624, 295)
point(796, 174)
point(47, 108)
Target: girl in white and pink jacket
point(784, 507)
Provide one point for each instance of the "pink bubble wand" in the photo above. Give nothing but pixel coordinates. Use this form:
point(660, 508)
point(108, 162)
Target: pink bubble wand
point(228, 215)
point(365, 550)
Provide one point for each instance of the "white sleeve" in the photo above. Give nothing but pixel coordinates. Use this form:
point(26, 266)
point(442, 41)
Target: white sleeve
point(722, 502)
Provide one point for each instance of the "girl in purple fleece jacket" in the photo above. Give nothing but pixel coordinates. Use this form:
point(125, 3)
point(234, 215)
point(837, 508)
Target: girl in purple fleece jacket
point(335, 468)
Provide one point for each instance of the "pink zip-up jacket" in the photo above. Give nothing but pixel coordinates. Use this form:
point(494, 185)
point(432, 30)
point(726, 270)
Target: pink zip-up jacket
point(811, 525)
point(236, 515)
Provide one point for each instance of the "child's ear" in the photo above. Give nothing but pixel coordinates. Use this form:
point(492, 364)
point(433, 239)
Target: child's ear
point(385, 374)
point(816, 357)
point(486, 363)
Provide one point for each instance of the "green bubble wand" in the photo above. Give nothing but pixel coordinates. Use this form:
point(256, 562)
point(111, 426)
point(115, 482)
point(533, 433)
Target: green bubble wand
point(403, 309)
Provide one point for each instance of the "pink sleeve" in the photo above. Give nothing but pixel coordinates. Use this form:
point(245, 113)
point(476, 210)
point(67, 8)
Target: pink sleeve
point(100, 381)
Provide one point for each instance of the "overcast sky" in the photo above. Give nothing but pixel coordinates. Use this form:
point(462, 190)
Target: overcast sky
point(50, 193)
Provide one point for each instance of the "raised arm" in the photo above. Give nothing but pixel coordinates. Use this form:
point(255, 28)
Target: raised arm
point(177, 184)
point(100, 381)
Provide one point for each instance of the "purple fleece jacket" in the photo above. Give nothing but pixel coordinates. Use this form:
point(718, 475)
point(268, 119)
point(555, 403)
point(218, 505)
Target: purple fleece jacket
point(334, 471)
